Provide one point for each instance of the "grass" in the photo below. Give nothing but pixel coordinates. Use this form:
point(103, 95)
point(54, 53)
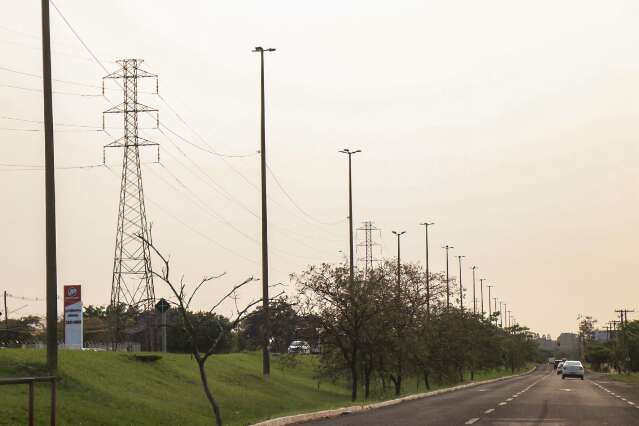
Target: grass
point(105, 388)
point(624, 377)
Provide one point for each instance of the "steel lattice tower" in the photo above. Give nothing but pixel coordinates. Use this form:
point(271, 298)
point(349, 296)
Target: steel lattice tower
point(368, 245)
point(132, 282)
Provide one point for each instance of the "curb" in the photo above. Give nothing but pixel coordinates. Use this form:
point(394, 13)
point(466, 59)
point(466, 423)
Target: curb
point(328, 414)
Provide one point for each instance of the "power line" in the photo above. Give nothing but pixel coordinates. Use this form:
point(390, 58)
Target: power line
point(297, 206)
point(55, 92)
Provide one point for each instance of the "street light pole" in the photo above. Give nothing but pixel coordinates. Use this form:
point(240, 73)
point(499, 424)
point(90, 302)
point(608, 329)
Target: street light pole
point(447, 247)
point(266, 359)
point(49, 184)
point(426, 225)
point(489, 312)
point(350, 215)
point(481, 289)
point(501, 315)
point(474, 298)
point(495, 311)
point(399, 264)
point(461, 288)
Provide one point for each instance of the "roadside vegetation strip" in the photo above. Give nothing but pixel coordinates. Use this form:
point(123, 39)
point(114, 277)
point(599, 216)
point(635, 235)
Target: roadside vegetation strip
point(327, 414)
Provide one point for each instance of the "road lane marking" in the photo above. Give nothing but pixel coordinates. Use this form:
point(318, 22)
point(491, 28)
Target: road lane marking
point(471, 421)
point(490, 410)
point(502, 403)
point(509, 399)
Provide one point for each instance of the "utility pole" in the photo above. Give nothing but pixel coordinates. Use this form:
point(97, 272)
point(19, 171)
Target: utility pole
point(447, 247)
point(49, 184)
point(266, 359)
point(474, 298)
point(481, 289)
point(6, 311)
point(490, 314)
point(350, 213)
point(623, 315)
point(426, 225)
point(495, 311)
point(501, 314)
point(399, 264)
point(505, 321)
point(461, 288)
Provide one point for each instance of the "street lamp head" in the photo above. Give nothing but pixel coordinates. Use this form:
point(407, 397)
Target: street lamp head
point(349, 152)
point(427, 223)
point(261, 49)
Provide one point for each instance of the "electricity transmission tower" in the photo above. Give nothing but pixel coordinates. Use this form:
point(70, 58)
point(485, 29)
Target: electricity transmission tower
point(368, 245)
point(132, 283)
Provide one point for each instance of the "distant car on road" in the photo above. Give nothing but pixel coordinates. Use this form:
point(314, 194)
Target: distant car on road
point(559, 367)
point(299, 347)
point(572, 369)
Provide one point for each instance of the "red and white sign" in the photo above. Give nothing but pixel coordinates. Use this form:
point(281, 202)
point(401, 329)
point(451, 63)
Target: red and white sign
point(73, 332)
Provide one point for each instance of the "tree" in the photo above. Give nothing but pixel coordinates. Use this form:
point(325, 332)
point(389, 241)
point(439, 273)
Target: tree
point(343, 310)
point(202, 347)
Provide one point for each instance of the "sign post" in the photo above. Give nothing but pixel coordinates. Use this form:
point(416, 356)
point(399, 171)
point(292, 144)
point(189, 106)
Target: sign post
point(162, 307)
point(73, 333)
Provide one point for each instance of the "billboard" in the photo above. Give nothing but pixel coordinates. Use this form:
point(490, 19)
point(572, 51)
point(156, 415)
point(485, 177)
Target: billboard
point(73, 316)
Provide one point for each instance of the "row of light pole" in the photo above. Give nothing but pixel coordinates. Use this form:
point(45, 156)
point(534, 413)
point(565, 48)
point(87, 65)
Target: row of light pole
point(398, 234)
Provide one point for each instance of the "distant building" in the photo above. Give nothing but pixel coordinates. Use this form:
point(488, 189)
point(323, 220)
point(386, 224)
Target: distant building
point(601, 335)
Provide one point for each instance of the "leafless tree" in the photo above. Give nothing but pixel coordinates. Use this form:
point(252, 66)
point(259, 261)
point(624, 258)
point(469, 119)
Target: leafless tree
point(183, 299)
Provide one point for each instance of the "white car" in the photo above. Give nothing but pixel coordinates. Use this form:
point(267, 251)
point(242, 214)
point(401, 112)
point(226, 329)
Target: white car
point(572, 369)
point(299, 347)
point(559, 366)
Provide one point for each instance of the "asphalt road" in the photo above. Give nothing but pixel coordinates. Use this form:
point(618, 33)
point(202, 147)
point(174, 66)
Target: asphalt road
point(541, 398)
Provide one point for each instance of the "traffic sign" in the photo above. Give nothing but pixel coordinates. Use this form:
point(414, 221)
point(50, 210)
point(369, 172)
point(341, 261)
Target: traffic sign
point(162, 306)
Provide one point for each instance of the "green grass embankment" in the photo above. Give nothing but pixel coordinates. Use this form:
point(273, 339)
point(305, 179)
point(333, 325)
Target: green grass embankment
point(104, 388)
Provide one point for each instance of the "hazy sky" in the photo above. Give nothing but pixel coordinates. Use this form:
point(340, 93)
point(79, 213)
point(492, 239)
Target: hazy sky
point(510, 124)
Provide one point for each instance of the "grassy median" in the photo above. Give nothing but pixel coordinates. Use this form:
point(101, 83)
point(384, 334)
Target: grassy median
point(104, 388)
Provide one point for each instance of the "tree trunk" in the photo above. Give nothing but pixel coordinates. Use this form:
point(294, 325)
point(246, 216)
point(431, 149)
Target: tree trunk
point(354, 375)
point(397, 381)
point(209, 395)
point(426, 381)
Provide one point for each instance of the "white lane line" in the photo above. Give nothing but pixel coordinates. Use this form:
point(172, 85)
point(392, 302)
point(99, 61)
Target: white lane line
point(630, 402)
point(502, 403)
point(471, 421)
point(509, 399)
point(490, 410)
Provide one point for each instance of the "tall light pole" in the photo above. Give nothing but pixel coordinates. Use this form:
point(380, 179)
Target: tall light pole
point(501, 315)
point(474, 298)
point(495, 311)
point(266, 359)
point(489, 312)
point(481, 290)
point(49, 185)
point(447, 247)
point(426, 225)
point(461, 288)
point(350, 214)
point(399, 260)
point(505, 320)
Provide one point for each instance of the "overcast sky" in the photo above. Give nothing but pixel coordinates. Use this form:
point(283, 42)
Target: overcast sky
point(512, 125)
